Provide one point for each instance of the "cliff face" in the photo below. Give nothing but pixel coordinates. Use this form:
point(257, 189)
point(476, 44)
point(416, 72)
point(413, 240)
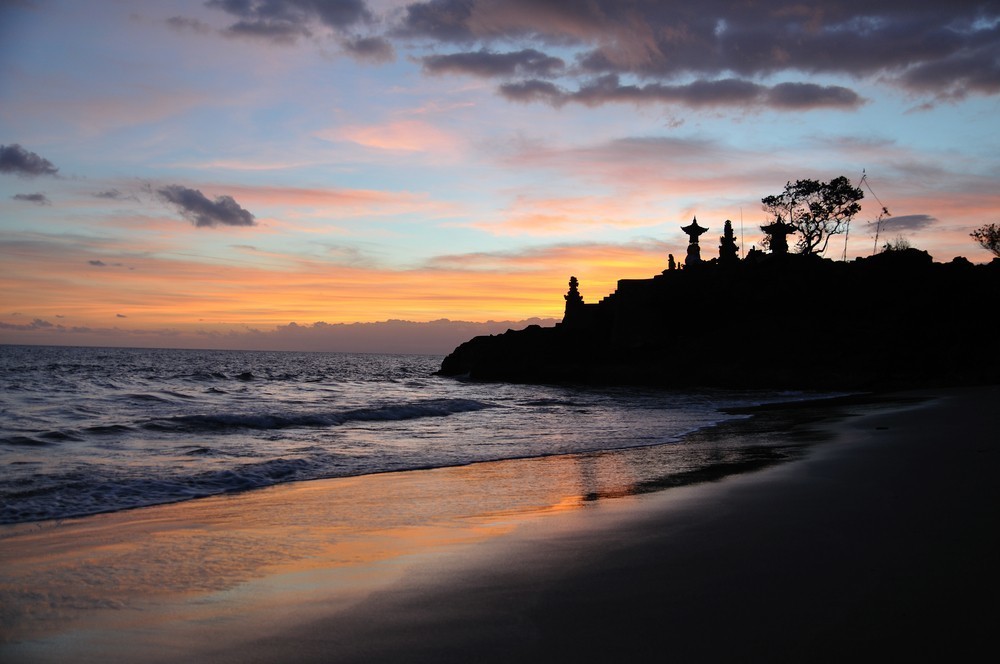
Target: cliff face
point(894, 320)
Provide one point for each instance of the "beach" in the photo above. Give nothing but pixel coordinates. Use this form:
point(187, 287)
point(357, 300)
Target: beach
point(880, 537)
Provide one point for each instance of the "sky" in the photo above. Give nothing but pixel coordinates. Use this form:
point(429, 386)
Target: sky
point(347, 174)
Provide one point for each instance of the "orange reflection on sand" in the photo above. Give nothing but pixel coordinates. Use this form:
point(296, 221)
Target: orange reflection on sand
point(289, 546)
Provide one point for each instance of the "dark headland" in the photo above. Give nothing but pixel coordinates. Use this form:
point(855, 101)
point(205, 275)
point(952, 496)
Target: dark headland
point(878, 544)
point(769, 320)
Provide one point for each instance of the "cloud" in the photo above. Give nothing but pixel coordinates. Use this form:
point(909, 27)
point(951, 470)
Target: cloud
point(197, 208)
point(279, 32)
point(945, 49)
point(569, 215)
point(97, 263)
point(527, 62)
point(183, 23)
point(37, 199)
point(909, 222)
point(370, 49)
point(51, 273)
point(115, 195)
point(90, 336)
point(955, 77)
point(15, 159)
point(284, 21)
point(804, 96)
point(641, 257)
point(534, 90)
point(701, 93)
point(93, 109)
point(654, 175)
point(120, 316)
point(37, 324)
point(436, 337)
point(399, 336)
point(338, 203)
point(397, 135)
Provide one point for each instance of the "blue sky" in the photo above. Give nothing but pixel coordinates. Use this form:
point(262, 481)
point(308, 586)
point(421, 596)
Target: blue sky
point(225, 168)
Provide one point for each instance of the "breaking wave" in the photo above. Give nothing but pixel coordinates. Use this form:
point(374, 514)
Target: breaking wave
point(203, 423)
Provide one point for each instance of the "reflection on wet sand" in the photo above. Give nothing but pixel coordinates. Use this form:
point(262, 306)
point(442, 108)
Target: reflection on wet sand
point(263, 549)
point(258, 558)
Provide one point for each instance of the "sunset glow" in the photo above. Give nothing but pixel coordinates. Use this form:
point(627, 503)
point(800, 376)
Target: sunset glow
point(204, 173)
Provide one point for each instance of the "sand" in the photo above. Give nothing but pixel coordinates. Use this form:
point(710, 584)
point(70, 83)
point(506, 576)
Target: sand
point(881, 540)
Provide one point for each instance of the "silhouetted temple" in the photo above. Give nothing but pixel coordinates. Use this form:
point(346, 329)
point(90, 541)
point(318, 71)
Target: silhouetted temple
point(766, 320)
point(777, 236)
point(729, 253)
point(693, 231)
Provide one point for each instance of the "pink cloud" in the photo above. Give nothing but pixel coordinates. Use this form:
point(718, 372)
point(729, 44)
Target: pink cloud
point(340, 202)
point(549, 216)
point(398, 136)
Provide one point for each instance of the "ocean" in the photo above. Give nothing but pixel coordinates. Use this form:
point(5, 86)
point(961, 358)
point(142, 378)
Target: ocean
point(91, 430)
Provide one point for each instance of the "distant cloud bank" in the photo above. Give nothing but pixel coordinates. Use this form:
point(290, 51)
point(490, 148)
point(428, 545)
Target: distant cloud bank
point(392, 336)
point(724, 92)
point(713, 52)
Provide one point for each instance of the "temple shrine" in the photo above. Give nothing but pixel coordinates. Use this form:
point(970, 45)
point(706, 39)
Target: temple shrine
point(777, 235)
point(693, 231)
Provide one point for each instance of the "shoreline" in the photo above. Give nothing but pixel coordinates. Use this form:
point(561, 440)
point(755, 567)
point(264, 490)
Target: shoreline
point(252, 576)
point(761, 411)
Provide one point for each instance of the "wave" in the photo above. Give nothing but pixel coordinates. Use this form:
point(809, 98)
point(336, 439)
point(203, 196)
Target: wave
point(200, 376)
point(160, 396)
point(108, 429)
point(201, 451)
point(218, 422)
point(73, 497)
point(23, 441)
point(210, 376)
point(143, 397)
point(61, 436)
point(549, 402)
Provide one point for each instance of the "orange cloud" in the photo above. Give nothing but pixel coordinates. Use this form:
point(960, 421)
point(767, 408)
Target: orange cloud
point(90, 287)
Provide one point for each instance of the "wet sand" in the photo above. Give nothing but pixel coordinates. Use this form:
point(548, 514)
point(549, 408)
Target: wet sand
point(881, 540)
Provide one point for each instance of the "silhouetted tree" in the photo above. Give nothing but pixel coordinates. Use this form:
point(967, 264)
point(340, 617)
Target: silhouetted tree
point(817, 210)
point(988, 237)
point(898, 244)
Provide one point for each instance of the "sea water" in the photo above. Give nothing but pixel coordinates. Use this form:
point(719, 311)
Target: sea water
point(89, 430)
